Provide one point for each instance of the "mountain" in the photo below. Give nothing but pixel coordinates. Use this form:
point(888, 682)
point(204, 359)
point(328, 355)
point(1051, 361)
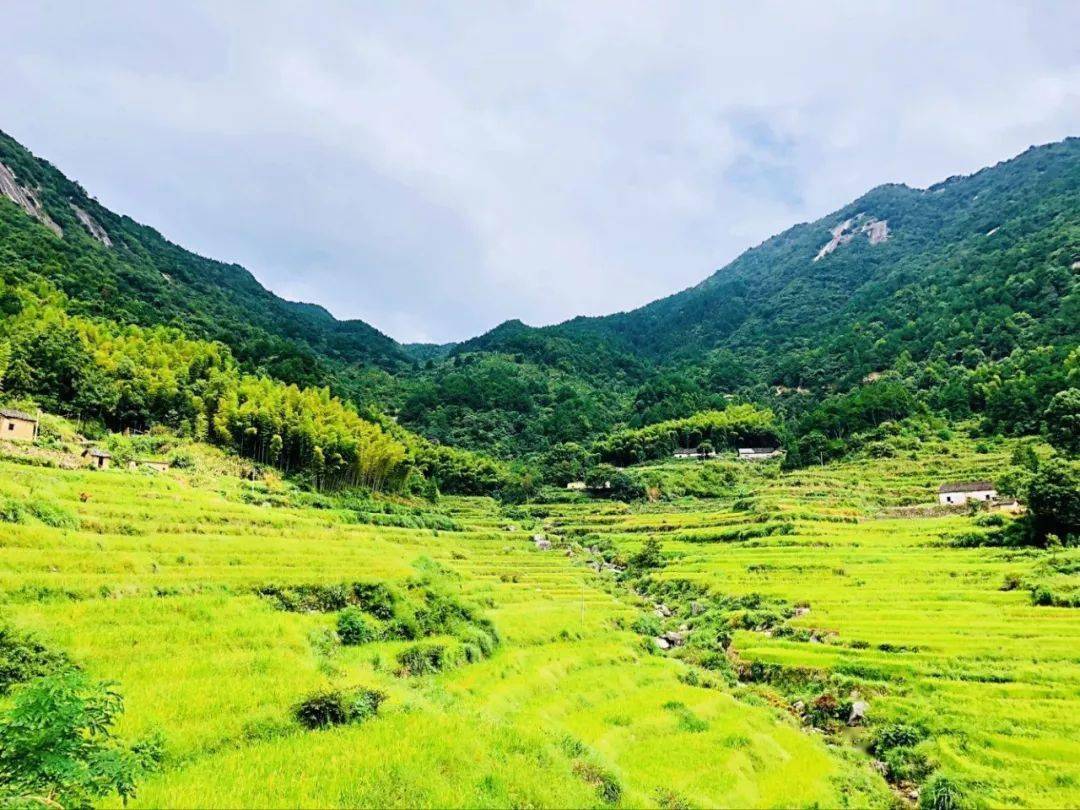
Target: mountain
point(110, 266)
point(898, 261)
point(962, 296)
point(948, 288)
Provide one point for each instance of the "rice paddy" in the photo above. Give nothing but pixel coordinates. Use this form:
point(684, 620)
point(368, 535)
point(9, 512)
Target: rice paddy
point(153, 583)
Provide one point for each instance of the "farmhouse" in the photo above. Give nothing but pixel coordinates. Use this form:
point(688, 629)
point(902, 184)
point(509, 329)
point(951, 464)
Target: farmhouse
point(17, 426)
point(963, 491)
point(757, 453)
point(692, 452)
point(577, 486)
point(97, 458)
point(149, 463)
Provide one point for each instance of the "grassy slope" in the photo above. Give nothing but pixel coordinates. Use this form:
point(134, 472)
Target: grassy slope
point(157, 585)
point(995, 678)
point(153, 591)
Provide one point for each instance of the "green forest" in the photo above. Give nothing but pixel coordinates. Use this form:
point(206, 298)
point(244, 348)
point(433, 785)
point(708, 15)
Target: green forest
point(967, 311)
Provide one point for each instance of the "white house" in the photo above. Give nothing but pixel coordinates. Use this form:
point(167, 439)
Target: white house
point(757, 453)
point(961, 492)
point(692, 452)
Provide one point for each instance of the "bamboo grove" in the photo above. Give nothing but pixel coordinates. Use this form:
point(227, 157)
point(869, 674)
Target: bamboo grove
point(130, 377)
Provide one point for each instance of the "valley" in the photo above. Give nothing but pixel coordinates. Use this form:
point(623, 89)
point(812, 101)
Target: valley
point(806, 534)
point(154, 584)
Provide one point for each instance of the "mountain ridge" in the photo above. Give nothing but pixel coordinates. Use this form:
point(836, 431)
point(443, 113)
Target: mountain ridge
point(159, 272)
point(938, 287)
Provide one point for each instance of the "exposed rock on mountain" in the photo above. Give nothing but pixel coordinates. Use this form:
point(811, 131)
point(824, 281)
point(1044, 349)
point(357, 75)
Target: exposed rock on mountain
point(26, 199)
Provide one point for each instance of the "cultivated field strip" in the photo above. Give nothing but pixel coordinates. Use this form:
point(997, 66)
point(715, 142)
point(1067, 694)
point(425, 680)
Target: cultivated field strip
point(929, 629)
point(155, 589)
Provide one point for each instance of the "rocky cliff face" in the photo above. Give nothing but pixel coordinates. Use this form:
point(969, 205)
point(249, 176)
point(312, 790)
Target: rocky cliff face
point(91, 225)
point(26, 199)
point(876, 230)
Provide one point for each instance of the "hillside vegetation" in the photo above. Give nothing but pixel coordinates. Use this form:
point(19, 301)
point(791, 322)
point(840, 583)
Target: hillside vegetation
point(964, 294)
point(112, 267)
point(231, 613)
point(323, 569)
point(971, 302)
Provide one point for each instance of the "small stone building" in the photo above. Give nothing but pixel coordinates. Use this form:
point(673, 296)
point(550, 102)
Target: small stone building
point(959, 493)
point(97, 458)
point(17, 426)
point(757, 453)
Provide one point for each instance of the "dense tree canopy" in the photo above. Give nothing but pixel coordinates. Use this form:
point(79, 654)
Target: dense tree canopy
point(968, 309)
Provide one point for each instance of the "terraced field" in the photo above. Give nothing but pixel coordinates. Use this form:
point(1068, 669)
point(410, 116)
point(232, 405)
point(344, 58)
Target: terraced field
point(155, 589)
point(926, 633)
point(152, 581)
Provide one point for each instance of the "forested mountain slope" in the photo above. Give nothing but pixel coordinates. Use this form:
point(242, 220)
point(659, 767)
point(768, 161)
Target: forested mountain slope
point(975, 264)
point(113, 267)
point(962, 297)
point(966, 292)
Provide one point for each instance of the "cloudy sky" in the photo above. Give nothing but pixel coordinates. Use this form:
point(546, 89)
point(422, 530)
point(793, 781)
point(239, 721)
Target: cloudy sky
point(437, 168)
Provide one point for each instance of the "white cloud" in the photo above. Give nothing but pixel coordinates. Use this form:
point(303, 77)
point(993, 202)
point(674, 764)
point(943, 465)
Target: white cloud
point(435, 170)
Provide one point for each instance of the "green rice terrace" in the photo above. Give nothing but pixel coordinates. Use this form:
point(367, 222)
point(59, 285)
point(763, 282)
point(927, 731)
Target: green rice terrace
point(800, 640)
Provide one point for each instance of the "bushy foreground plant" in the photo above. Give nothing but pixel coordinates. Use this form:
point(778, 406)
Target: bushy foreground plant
point(604, 782)
point(428, 658)
point(894, 744)
point(57, 747)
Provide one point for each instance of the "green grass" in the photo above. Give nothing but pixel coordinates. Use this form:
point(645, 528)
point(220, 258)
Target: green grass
point(923, 629)
point(154, 589)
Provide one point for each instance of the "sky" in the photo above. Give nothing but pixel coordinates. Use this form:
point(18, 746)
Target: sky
point(437, 168)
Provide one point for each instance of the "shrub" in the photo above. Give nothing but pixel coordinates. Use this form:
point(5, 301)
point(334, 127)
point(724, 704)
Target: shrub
point(182, 459)
point(323, 709)
point(648, 556)
point(1042, 596)
point(484, 641)
point(894, 745)
point(604, 782)
point(57, 747)
point(305, 598)
point(22, 658)
point(353, 629)
point(366, 703)
point(53, 515)
point(690, 722)
point(1012, 582)
point(646, 625)
point(941, 793)
point(826, 710)
point(403, 629)
point(905, 764)
point(375, 598)
point(715, 661)
point(670, 800)
point(335, 707)
point(426, 659)
point(12, 511)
